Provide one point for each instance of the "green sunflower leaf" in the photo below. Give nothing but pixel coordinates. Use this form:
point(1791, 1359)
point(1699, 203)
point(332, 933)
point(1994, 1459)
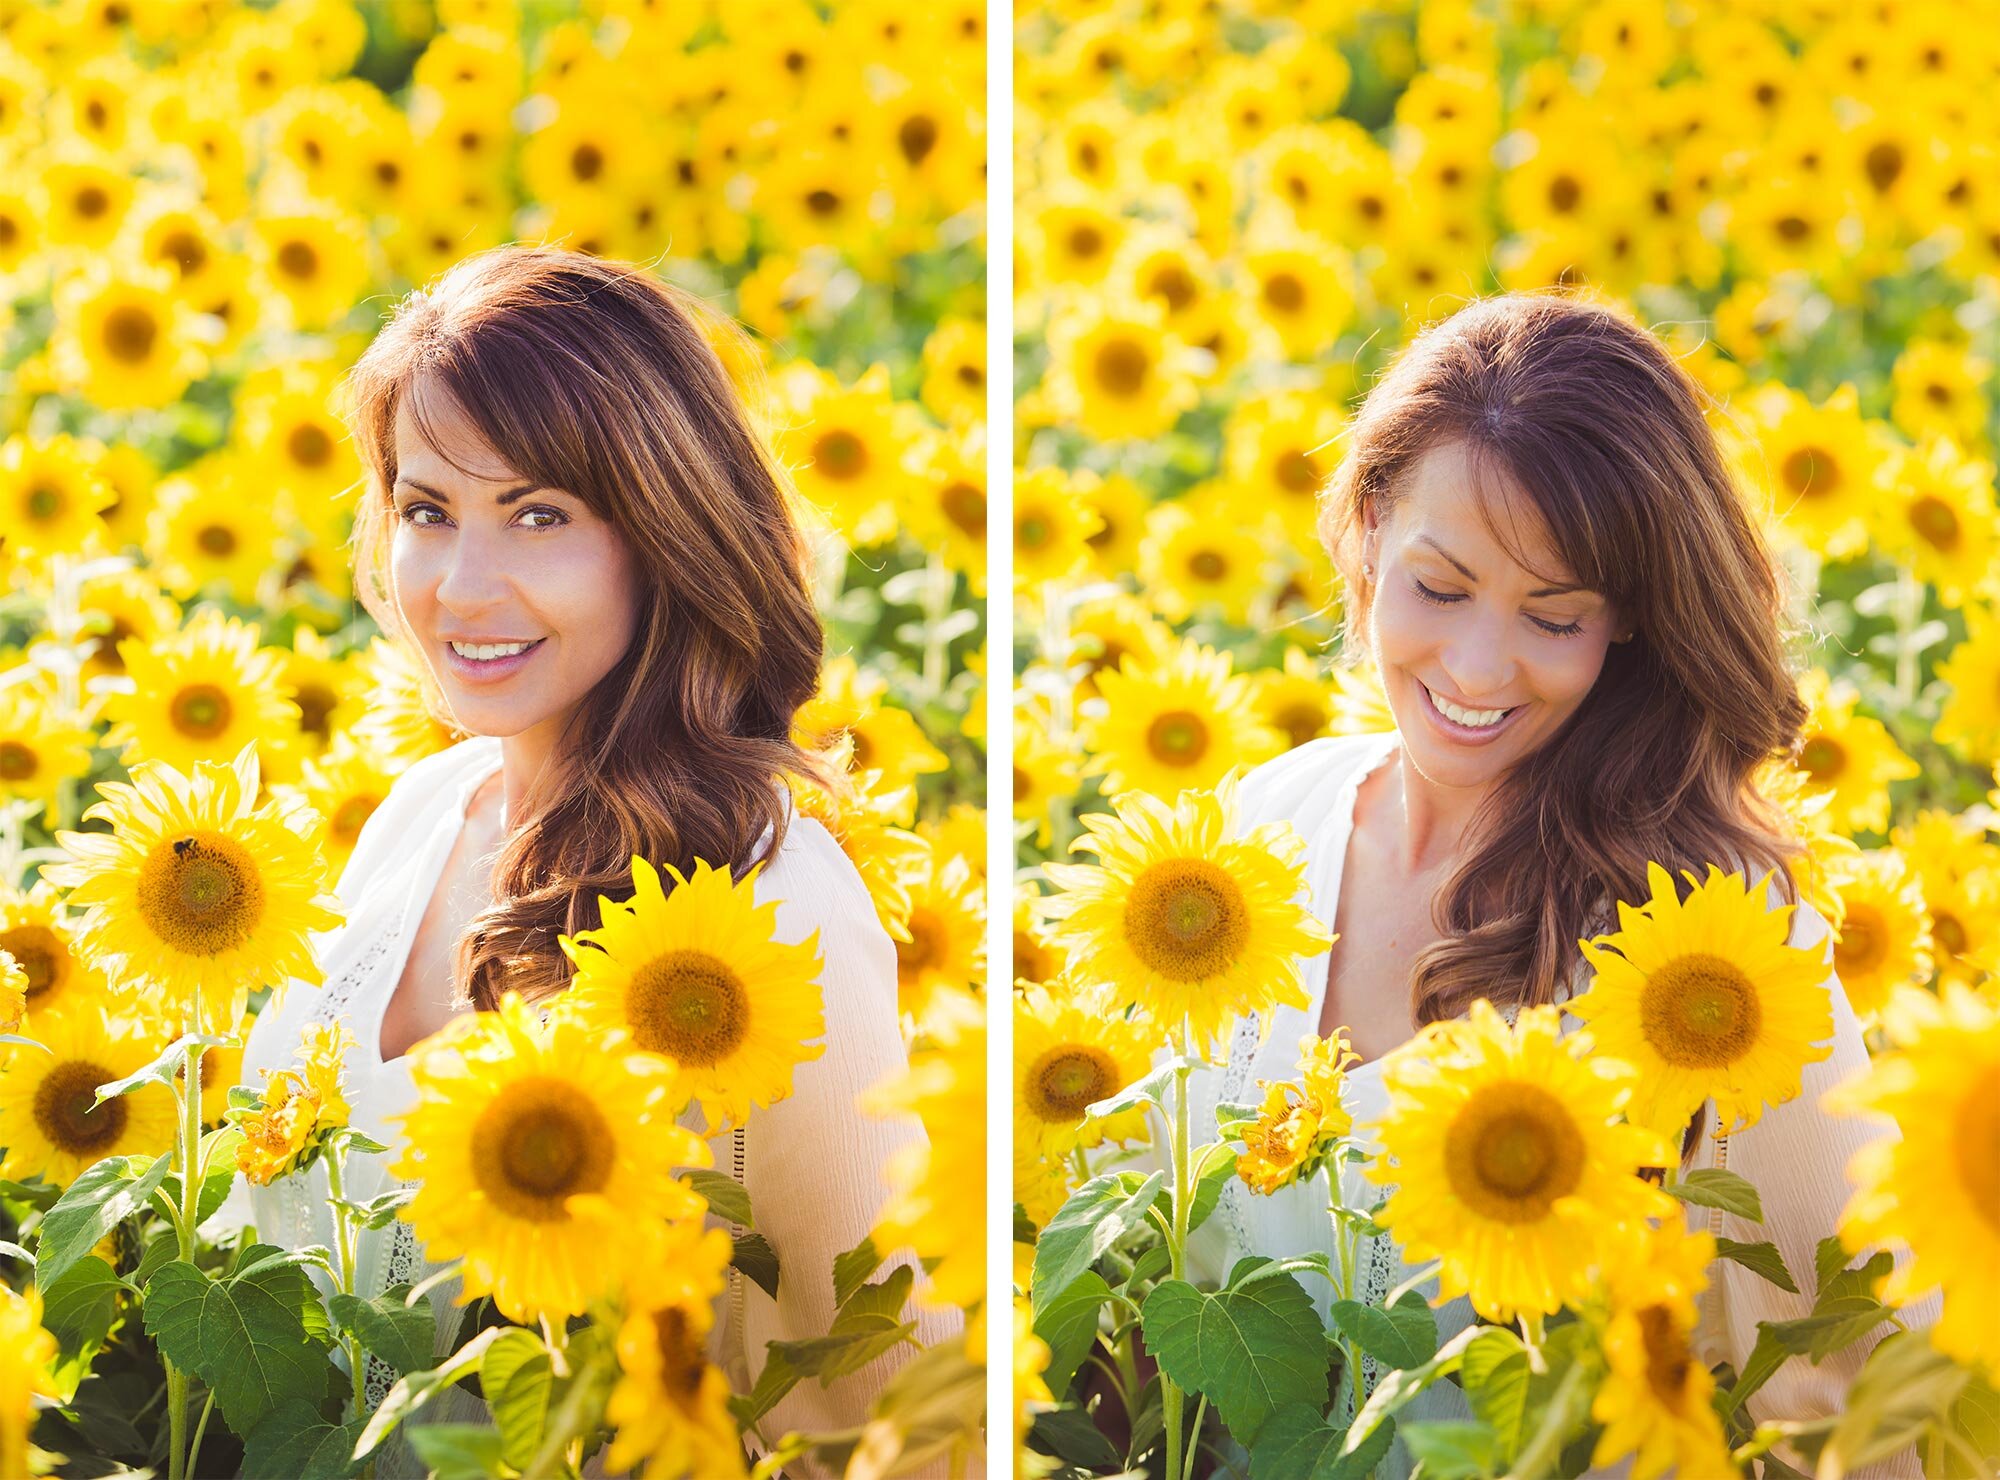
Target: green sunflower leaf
point(104, 1196)
point(161, 1071)
point(726, 1196)
point(1716, 1187)
point(1251, 1350)
point(249, 1338)
point(1097, 1215)
point(1297, 1444)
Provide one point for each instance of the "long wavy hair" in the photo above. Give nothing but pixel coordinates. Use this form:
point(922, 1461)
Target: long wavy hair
point(598, 378)
point(1591, 419)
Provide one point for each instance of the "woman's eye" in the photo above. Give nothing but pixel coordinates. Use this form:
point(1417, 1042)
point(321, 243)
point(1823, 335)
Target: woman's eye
point(555, 517)
point(1567, 629)
point(410, 512)
point(1438, 597)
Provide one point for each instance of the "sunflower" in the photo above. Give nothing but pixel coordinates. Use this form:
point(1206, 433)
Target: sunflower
point(946, 950)
point(1937, 510)
point(1937, 392)
point(13, 993)
point(1120, 506)
point(317, 262)
point(197, 891)
point(1183, 916)
point(882, 738)
point(1848, 754)
point(671, 1407)
point(205, 530)
point(343, 787)
point(1303, 292)
point(27, 1359)
point(124, 342)
point(1654, 1403)
point(121, 604)
point(1960, 875)
point(221, 1069)
point(1053, 523)
point(1299, 1122)
point(1104, 630)
point(1707, 997)
point(1508, 1160)
point(1198, 555)
point(46, 1120)
point(1044, 772)
point(1037, 960)
point(946, 507)
point(848, 449)
point(1822, 466)
point(871, 832)
point(1281, 449)
point(201, 694)
point(52, 499)
point(1884, 936)
point(1934, 1189)
point(1970, 722)
point(1295, 699)
point(397, 725)
point(1182, 721)
point(1116, 371)
point(38, 750)
point(37, 932)
point(88, 202)
point(546, 1156)
point(699, 976)
point(298, 1106)
point(1070, 1052)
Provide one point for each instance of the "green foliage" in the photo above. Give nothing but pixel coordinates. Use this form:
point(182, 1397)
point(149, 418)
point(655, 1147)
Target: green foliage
point(1096, 1216)
point(1405, 1335)
point(1716, 1187)
point(401, 1335)
point(1250, 1349)
point(102, 1197)
point(1297, 1444)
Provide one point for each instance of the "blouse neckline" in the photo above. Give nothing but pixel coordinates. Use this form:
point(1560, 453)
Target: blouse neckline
point(1332, 868)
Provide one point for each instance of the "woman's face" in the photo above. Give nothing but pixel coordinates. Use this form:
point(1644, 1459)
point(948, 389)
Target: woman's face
point(1456, 617)
point(486, 559)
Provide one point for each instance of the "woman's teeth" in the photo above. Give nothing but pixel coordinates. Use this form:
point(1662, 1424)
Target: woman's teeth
point(484, 651)
point(1473, 719)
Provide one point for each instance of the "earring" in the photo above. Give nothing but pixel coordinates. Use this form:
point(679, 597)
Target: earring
point(1367, 570)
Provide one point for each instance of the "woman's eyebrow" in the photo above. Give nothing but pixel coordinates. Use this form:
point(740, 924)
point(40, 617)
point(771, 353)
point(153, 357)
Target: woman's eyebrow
point(1465, 571)
point(502, 499)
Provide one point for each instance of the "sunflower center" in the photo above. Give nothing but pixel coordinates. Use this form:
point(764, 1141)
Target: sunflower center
point(916, 138)
point(1977, 1142)
point(1822, 758)
point(1122, 367)
point(130, 333)
point(1174, 286)
point(1862, 943)
point(1512, 1151)
point(1933, 520)
point(17, 761)
point(218, 540)
point(1297, 473)
point(689, 1006)
point(37, 952)
point(1179, 737)
point(1700, 1011)
point(1883, 165)
point(1024, 784)
point(309, 446)
point(297, 259)
point(840, 455)
point(1284, 292)
point(185, 250)
point(350, 816)
point(45, 502)
point(1810, 472)
point(925, 947)
point(1187, 919)
point(1033, 531)
point(63, 1110)
point(541, 1140)
point(316, 705)
point(964, 505)
point(586, 162)
point(1948, 932)
point(201, 894)
point(822, 202)
point(1207, 565)
point(1068, 1079)
point(200, 711)
point(1302, 722)
point(1668, 1360)
point(682, 1356)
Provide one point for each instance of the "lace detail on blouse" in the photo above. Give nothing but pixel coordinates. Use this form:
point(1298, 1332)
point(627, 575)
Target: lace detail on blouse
point(331, 1003)
point(1235, 1081)
point(402, 1265)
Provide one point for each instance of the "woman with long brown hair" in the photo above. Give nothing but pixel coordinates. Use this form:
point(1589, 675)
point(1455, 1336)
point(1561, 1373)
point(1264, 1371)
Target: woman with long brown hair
point(574, 530)
point(1581, 635)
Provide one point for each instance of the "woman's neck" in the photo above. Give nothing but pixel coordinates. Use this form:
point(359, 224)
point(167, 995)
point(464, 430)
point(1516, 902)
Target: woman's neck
point(1434, 822)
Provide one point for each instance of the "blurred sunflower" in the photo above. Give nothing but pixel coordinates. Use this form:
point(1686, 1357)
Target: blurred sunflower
point(123, 342)
point(1181, 721)
point(52, 499)
point(1070, 1051)
point(946, 951)
point(1200, 555)
point(670, 1407)
point(1884, 937)
point(1822, 467)
point(1117, 372)
point(27, 1360)
point(1295, 699)
point(1654, 1402)
point(47, 1120)
point(1970, 721)
point(1850, 755)
point(39, 750)
point(1937, 510)
point(200, 694)
point(39, 934)
point(1053, 521)
point(1299, 1122)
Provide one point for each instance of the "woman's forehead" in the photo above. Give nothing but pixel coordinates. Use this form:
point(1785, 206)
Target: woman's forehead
point(434, 433)
point(1474, 508)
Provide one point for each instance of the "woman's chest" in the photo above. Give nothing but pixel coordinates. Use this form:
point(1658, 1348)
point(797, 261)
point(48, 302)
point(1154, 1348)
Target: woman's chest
point(422, 999)
point(1383, 925)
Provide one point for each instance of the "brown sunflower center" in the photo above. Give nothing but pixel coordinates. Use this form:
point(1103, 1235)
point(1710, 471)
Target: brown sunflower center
point(1208, 565)
point(1822, 758)
point(1934, 521)
point(1297, 472)
point(1700, 1011)
point(1862, 943)
point(188, 252)
point(540, 1141)
point(298, 260)
point(964, 504)
point(1810, 472)
point(218, 540)
point(200, 711)
point(130, 333)
point(309, 445)
point(840, 454)
point(1976, 1139)
point(1033, 961)
point(316, 705)
point(63, 1110)
point(1187, 919)
point(1512, 1151)
point(586, 161)
point(1284, 292)
point(1948, 931)
point(18, 762)
point(1883, 164)
point(916, 138)
point(1177, 738)
point(1174, 286)
point(688, 1005)
point(1669, 1363)
point(37, 952)
point(201, 893)
point(1301, 721)
point(45, 502)
point(822, 203)
point(924, 949)
point(1033, 530)
point(682, 1355)
point(1122, 368)
point(351, 815)
point(1068, 1079)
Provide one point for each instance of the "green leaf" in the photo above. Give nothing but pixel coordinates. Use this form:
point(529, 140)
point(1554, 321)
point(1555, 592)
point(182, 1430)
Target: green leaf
point(415, 1389)
point(726, 1196)
point(250, 1338)
point(381, 1210)
point(1496, 1375)
point(752, 1253)
point(1398, 1385)
point(1214, 1166)
point(852, 1344)
point(458, 1451)
point(1716, 1187)
point(1069, 1325)
point(347, 1138)
point(79, 1310)
point(1069, 1435)
point(1154, 1090)
point(1766, 1357)
point(293, 1439)
point(161, 1071)
point(1252, 1349)
point(1905, 1387)
point(1844, 1311)
point(777, 1378)
point(884, 1299)
point(1454, 1449)
point(404, 1336)
point(1097, 1215)
point(1762, 1258)
point(1297, 1444)
point(104, 1196)
point(1403, 1336)
point(851, 1269)
point(1974, 1421)
point(1830, 1257)
point(1234, 1115)
point(518, 1381)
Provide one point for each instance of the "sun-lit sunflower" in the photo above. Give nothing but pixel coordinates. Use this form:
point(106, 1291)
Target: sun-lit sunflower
point(1937, 511)
point(1053, 522)
point(1300, 1120)
point(1654, 1403)
point(1849, 754)
point(39, 934)
point(1070, 1051)
point(1707, 998)
point(1959, 871)
point(297, 1108)
point(1184, 916)
point(317, 261)
point(1821, 467)
point(1117, 372)
point(671, 1405)
point(1884, 936)
point(201, 694)
point(343, 787)
point(1183, 721)
point(205, 529)
point(1938, 391)
point(1295, 699)
point(847, 447)
point(954, 385)
point(197, 891)
point(1197, 555)
point(46, 1120)
point(13, 993)
point(1970, 721)
point(699, 976)
point(946, 949)
point(52, 499)
point(38, 750)
point(1508, 1159)
point(1105, 630)
point(124, 342)
point(27, 1356)
point(1935, 1189)
point(547, 1156)
point(1806, 811)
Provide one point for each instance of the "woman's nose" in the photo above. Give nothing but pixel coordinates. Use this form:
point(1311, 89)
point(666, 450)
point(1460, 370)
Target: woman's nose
point(1478, 663)
point(471, 575)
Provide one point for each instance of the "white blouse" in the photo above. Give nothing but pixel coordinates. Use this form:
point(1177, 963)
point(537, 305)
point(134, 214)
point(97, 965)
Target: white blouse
point(813, 1163)
point(1796, 1155)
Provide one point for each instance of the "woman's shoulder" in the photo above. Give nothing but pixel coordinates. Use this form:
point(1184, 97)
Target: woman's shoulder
point(816, 885)
point(421, 793)
point(1300, 785)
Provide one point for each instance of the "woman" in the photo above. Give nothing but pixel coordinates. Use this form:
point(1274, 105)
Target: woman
point(1578, 629)
point(571, 525)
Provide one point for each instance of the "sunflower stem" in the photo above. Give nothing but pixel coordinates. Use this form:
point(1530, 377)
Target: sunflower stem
point(344, 1240)
point(1349, 1241)
point(1909, 612)
point(937, 606)
point(1170, 1392)
point(187, 1153)
point(200, 1428)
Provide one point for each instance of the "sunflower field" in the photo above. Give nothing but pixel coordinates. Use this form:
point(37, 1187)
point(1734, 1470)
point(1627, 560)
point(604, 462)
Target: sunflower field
point(208, 208)
point(1230, 218)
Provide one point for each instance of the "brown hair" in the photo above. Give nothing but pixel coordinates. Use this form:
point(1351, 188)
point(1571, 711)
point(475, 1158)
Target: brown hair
point(1588, 416)
point(596, 378)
